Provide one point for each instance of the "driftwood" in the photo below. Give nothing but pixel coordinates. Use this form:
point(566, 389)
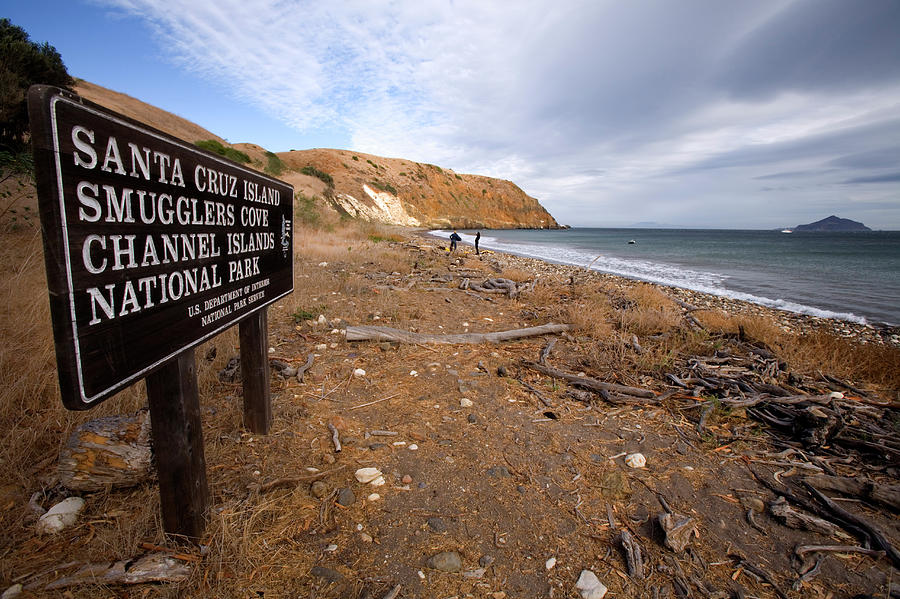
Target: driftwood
point(589, 383)
point(800, 520)
point(633, 557)
point(376, 333)
point(804, 549)
point(887, 495)
point(154, 567)
point(108, 452)
point(875, 536)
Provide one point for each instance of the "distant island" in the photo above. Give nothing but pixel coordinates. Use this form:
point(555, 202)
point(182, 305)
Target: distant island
point(832, 224)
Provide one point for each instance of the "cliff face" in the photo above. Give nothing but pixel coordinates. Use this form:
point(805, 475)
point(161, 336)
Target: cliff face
point(415, 194)
point(372, 188)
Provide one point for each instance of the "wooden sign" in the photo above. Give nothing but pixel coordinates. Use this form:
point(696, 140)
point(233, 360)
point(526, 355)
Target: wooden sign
point(151, 244)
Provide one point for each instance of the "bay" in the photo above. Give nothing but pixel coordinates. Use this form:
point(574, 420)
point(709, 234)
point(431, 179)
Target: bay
point(848, 276)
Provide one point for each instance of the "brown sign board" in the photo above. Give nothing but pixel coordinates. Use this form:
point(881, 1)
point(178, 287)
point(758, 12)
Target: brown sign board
point(151, 244)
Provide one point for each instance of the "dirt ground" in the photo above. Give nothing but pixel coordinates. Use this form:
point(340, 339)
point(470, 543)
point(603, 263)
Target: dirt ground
point(474, 462)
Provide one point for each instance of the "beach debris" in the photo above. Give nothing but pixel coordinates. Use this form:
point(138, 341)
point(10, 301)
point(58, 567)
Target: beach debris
point(60, 516)
point(589, 586)
point(153, 567)
point(633, 555)
point(784, 513)
point(678, 530)
point(594, 385)
point(335, 438)
point(635, 460)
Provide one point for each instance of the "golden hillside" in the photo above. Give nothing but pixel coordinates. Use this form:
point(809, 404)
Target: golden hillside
point(363, 186)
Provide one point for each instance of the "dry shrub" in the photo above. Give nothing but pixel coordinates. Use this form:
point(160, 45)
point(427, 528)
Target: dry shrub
point(649, 311)
point(517, 274)
point(877, 365)
point(755, 328)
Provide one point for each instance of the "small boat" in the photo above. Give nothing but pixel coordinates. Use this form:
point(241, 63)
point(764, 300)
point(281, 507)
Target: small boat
point(786, 231)
point(631, 242)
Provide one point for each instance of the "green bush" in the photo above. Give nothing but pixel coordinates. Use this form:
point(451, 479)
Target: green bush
point(305, 210)
point(212, 145)
point(384, 187)
point(275, 166)
point(301, 314)
point(356, 158)
point(24, 63)
point(322, 175)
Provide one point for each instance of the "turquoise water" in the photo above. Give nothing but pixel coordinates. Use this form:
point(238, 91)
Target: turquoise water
point(849, 276)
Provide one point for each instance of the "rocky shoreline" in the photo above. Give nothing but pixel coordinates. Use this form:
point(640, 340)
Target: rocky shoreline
point(789, 322)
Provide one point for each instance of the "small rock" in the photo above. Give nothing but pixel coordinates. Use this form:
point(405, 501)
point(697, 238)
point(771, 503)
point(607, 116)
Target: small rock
point(590, 586)
point(436, 525)
point(498, 471)
point(346, 497)
point(498, 595)
point(406, 479)
point(373, 497)
point(501, 371)
point(367, 475)
point(318, 489)
point(476, 573)
point(62, 515)
point(550, 563)
point(635, 460)
point(359, 372)
point(446, 561)
point(14, 591)
point(366, 538)
point(321, 347)
point(465, 402)
point(327, 574)
point(331, 548)
point(413, 447)
point(485, 561)
point(472, 418)
point(377, 446)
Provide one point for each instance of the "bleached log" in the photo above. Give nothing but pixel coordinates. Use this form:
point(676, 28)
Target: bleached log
point(376, 333)
point(108, 452)
point(155, 567)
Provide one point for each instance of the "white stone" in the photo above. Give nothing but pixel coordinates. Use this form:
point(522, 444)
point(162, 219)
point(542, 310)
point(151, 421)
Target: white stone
point(359, 372)
point(379, 481)
point(373, 497)
point(271, 350)
point(550, 563)
point(367, 475)
point(413, 447)
point(323, 264)
point(321, 347)
point(465, 402)
point(635, 460)
point(590, 586)
point(413, 373)
point(836, 395)
point(321, 319)
point(331, 548)
point(13, 591)
point(63, 514)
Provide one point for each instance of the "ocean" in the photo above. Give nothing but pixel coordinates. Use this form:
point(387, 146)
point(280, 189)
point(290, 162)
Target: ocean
point(845, 276)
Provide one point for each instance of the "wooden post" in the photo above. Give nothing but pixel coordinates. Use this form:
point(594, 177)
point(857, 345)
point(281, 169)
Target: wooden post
point(178, 445)
point(255, 372)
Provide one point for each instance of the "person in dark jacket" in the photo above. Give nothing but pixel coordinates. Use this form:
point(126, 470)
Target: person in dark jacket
point(454, 237)
point(477, 239)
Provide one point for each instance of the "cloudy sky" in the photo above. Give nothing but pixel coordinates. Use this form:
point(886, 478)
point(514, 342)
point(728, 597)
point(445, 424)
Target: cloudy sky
point(733, 114)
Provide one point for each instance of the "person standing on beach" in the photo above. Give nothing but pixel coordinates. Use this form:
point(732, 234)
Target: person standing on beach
point(454, 237)
point(477, 239)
